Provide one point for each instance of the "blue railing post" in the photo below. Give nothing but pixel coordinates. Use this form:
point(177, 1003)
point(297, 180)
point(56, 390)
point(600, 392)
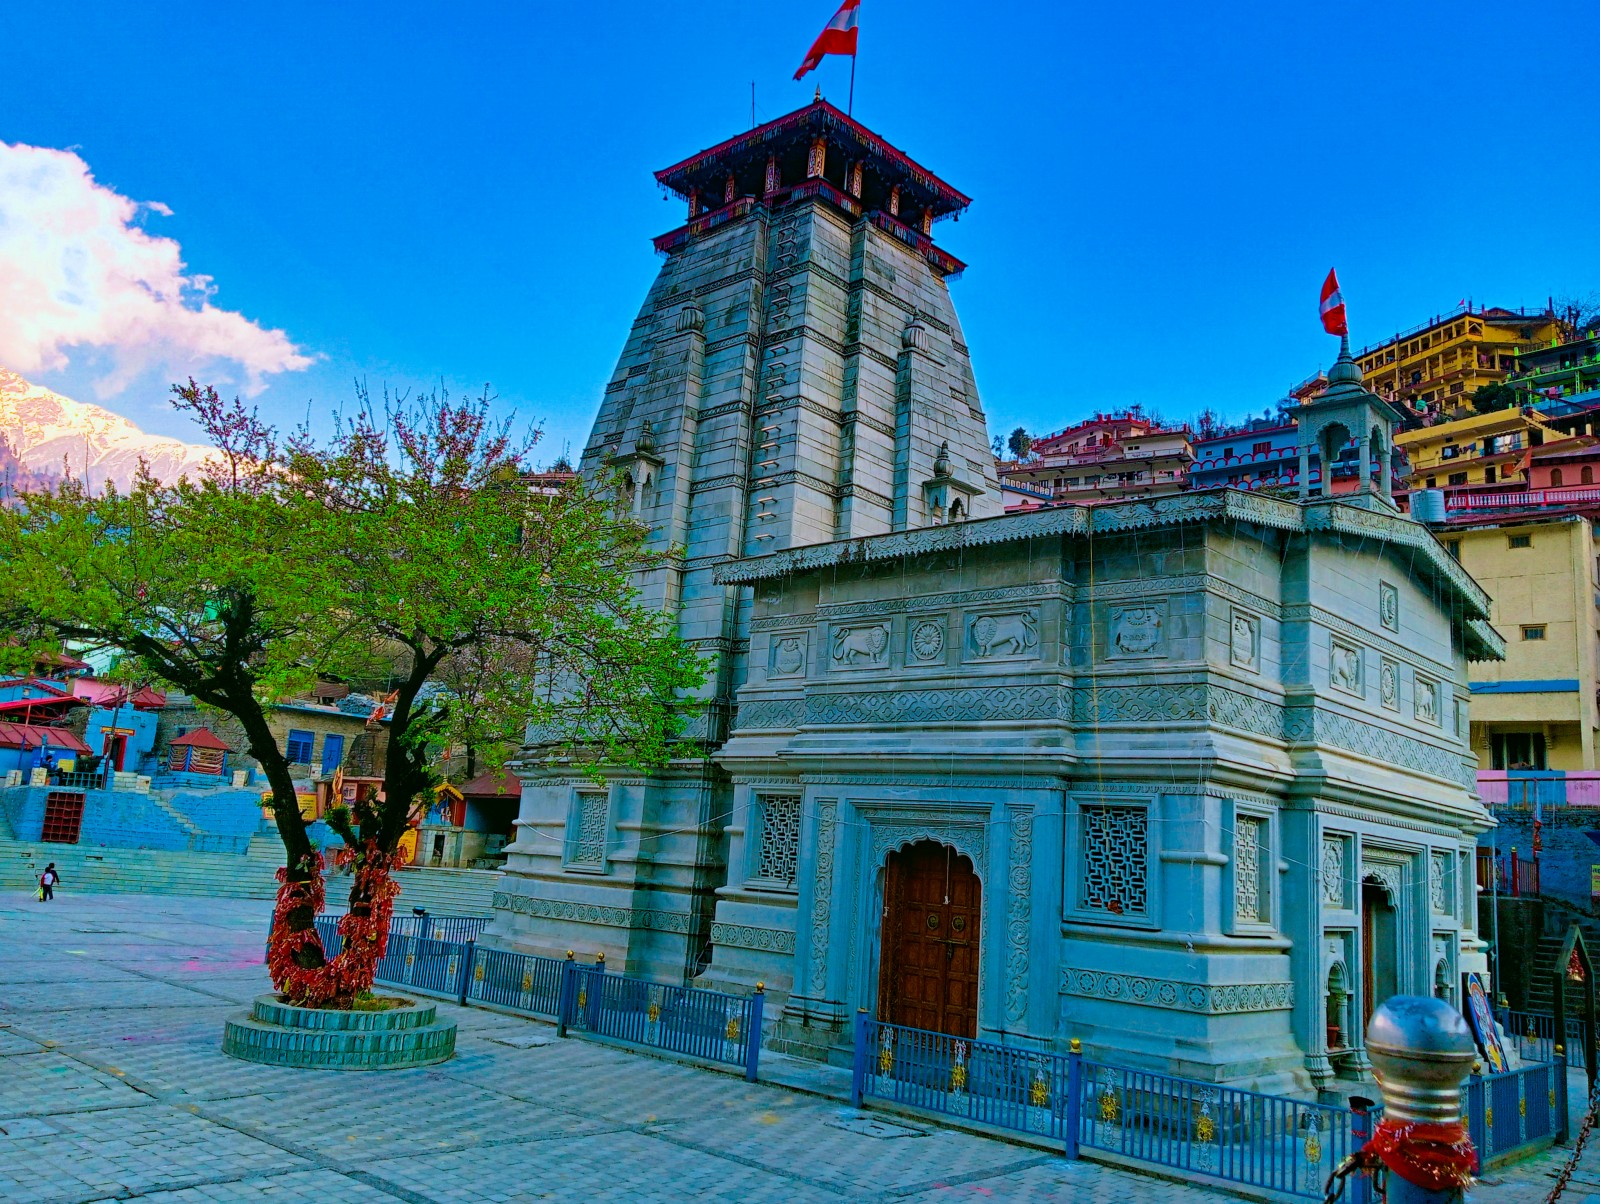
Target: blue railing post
point(752, 1036)
point(1561, 1094)
point(565, 994)
point(1074, 1096)
point(858, 1068)
point(466, 972)
point(1477, 1128)
point(596, 991)
point(1360, 1134)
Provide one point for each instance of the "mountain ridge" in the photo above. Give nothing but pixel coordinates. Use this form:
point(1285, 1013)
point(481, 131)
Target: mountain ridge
point(49, 435)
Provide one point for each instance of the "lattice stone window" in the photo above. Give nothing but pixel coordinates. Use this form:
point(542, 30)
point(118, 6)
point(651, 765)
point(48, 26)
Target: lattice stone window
point(1115, 845)
point(779, 853)
point(1252, 897)
point(588, 844)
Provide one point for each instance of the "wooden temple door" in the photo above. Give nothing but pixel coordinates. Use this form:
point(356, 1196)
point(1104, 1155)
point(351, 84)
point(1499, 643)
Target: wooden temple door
point(931, 912)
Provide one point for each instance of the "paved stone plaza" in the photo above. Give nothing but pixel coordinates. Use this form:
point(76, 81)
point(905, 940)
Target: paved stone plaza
point(114, 1087)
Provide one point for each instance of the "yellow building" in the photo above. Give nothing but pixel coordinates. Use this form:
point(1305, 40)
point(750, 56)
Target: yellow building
point(1440, 364)
point(1485, 449)
point(1536, 709)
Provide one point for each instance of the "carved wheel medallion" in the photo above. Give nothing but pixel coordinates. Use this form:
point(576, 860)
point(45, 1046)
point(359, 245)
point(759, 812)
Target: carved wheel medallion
point(927, 641)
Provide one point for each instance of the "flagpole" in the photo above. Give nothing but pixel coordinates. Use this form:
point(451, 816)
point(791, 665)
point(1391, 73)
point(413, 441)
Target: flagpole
point(850, 105)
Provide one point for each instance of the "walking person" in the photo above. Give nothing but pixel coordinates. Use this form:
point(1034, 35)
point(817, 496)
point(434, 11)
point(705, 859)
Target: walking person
point(47, 883)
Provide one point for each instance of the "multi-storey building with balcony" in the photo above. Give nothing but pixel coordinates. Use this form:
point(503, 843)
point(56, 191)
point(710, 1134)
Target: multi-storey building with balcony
point(1437, 366)
point(1485, 449)
point(1113, 455)
point(1564, 377)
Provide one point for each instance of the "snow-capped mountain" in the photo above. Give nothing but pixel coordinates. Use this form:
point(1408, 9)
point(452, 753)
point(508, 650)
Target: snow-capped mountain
point(47, 431)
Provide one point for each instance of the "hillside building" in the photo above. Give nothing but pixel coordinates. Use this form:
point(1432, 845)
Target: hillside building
point(1108, 456)
point(1436, 367)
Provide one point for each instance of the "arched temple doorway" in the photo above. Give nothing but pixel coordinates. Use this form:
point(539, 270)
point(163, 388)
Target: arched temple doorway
point(1380, 949)
point(932, 903)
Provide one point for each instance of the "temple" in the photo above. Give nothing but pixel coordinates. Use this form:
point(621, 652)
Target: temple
point(1185, 777)
point(796, 375)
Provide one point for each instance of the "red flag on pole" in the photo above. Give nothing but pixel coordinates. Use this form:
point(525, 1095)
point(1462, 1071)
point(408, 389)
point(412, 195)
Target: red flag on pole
point(1333, 306)
point(837, 37)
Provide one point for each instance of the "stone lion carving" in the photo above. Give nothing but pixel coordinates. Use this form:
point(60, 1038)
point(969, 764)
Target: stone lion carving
point(1344, 668)
point(854, 644)
point(1005, 635)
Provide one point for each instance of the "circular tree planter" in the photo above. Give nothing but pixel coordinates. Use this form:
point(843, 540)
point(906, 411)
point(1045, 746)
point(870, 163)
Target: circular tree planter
point(281, 1034)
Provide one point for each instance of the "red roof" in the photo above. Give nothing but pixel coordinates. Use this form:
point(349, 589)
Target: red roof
point(200, 738)
point(27, 735)
point(494, 785)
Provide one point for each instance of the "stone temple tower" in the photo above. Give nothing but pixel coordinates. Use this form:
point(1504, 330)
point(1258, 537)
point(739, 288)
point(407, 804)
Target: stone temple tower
point(797, 375)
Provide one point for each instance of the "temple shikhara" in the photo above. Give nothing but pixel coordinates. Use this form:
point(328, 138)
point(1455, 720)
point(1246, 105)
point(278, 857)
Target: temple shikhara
point(1185, 777)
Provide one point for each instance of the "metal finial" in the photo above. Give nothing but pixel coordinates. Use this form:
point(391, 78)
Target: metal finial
point(818, 96)
point(1420, 1049)
point(761, 988)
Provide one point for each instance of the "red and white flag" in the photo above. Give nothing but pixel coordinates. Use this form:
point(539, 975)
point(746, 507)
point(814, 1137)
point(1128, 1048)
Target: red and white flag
point(1333, 306)
point(837, 37)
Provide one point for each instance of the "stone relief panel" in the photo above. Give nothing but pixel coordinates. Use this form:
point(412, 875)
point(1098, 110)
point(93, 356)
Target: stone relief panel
point(1425, 699)
point(1001, 636)
point(925, 641)
point(1177, 994)
point(1018, 909)
point(1333, 870)
point(862, 647)
point(1138, 631)
point(1244, 640)
point(787, 655)
point(1388, 606)
point(1439, 883)
point(1344, 666)
point(1389, 684)
point(822, 895)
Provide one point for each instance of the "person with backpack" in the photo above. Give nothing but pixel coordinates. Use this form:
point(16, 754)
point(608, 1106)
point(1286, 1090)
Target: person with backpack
point(48, 882)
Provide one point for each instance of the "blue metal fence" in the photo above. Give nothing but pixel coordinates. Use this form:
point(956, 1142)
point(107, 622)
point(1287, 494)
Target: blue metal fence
point(697, 1023)
point(519, 982)
point(683, 1020)
point(1201, 1130)
point(1532, 1034)
point(1517, 1113)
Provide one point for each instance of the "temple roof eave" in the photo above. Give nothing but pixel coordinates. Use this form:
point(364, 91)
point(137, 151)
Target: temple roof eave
point(819, 115)
point(1333, 516)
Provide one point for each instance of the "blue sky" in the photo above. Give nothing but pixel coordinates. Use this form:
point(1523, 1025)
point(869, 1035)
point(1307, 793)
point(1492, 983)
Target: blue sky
point(424, 192)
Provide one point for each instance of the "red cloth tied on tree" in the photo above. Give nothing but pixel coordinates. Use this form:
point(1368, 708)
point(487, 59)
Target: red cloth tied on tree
point(365, 938)
point(1435, 1157)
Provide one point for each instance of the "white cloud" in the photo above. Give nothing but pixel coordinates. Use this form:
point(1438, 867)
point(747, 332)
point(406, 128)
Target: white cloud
point(77, 271)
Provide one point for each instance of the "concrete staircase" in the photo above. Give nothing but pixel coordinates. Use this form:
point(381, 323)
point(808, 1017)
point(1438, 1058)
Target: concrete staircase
point(1559, 917)
point(92, 869)
point(178, 817)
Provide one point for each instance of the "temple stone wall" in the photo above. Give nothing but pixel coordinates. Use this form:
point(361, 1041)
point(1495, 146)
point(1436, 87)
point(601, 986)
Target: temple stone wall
point(1128, 698)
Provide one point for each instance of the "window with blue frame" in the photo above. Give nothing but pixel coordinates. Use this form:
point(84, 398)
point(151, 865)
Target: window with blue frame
point(332, 752)
point(298, 747)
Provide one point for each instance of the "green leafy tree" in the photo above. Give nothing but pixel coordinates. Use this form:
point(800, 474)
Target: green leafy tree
point(406, 544)
point(1497, 397)
point(1019, 443)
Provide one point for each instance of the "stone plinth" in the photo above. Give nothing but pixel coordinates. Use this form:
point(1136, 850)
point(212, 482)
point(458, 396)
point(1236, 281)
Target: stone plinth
point(281, 1034)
